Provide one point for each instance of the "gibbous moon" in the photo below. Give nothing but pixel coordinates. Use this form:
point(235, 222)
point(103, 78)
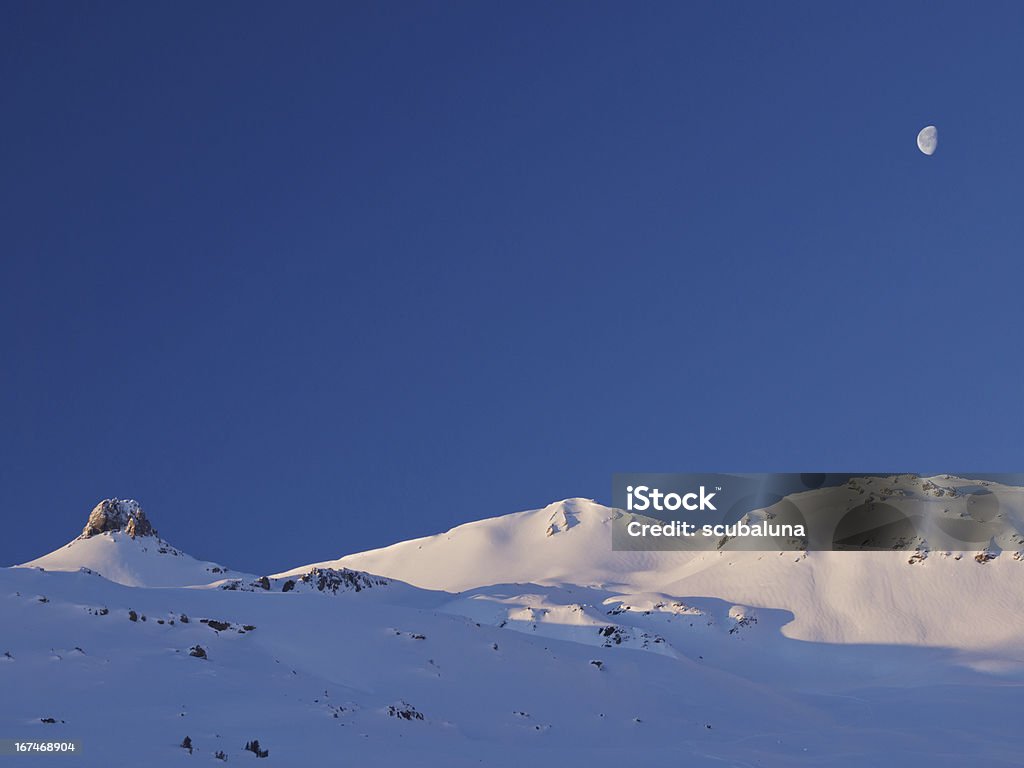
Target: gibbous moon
point(928, 140)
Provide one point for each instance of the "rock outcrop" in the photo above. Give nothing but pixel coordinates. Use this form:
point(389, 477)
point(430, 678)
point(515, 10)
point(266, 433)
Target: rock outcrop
point(344, 580)
point(118, 515)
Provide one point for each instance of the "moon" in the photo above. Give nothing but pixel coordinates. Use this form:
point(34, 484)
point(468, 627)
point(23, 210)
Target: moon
point(928, 139)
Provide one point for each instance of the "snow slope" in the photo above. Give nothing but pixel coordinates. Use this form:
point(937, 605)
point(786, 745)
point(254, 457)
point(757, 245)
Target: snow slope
point(517, 640)
point(146, 561)
point(119, 543)
point(945, 599)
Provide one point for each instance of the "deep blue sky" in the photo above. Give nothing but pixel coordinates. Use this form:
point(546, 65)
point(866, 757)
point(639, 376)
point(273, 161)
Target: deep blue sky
point(311, 279)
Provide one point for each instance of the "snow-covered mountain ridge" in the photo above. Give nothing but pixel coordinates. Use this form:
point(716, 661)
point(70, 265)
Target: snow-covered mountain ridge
point(941, 599)
point(516, 638)
point(120, 543)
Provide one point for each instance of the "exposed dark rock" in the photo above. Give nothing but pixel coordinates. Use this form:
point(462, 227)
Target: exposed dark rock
point(198, 651)
point(133, 616)
point(615, 635)
point(288, 586)
point(334, 579)
point(264, 582)
point(118, 515)
point(991, 552)
point(743, 620)
point(254, 747)
point(404, 711)
point(186, 743)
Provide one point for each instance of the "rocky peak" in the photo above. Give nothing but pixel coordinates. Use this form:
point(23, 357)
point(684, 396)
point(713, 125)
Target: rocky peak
point(118, 515)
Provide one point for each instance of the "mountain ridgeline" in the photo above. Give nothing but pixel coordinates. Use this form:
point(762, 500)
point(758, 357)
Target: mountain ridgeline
point(522, 638)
